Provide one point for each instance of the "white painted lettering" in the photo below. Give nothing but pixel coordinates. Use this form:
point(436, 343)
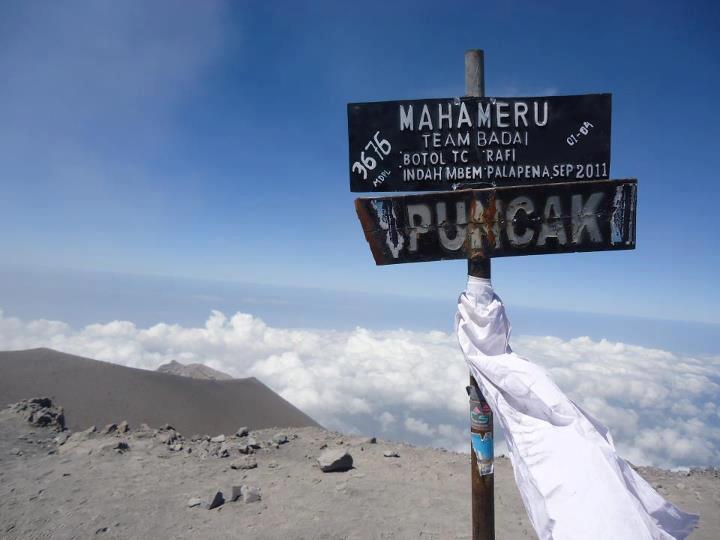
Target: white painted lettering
point(584, 217)
point(483, 115)
point(447, 116)
point(501, 114)
point(417, 228)
point(425, 120)
point(516, 205)
point(486, 225)
point(464, 117)
point(456, 242)
point(537, 115)
point(406, 118)
point(521, 110)
point(552, 223)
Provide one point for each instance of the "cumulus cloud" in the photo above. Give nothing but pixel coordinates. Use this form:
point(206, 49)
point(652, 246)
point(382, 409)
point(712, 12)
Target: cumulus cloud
point(418, 426)
point(661, 407)
point(386, 420)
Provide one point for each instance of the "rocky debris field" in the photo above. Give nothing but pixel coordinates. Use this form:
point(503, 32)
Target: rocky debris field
point(122, 481)
point(40, 412)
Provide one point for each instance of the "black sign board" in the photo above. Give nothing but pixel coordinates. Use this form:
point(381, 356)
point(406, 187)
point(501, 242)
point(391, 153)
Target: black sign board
point(446, 144)
point(499, 222)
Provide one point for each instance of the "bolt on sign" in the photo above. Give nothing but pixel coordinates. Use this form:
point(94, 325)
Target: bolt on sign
point(567, 217)
point(445, 144)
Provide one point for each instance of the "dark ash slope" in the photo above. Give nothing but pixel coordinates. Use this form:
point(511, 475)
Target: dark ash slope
point(97, 393)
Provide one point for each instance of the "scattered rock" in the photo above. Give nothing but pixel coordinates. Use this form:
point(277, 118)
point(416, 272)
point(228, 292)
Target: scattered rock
point(371, 440)
point(123, 427)
point(245, 463)
point(110, 428)
point(252, 443)
point(61, 438)
point(119, 447)
point(167, 427)
point(273, 465)
point(215, 500)
point(246, 449)
point(194, 501)
point(218, 439)
point(242, 432)
point(177, 447)
point(16, 452)
point(335, 461)
point(204, 445)
point(390, 453)
point(280, 438)
point(43, 402)
point(249, 494)
point(236, 493)
point(80, 436)
point(41, 412)
point(167, 437)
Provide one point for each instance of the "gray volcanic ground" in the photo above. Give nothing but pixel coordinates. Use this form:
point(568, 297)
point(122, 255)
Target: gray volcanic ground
point(140, 484)
point(137, 481)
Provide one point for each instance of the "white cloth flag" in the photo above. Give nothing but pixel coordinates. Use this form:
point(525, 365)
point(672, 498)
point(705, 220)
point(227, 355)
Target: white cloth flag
point(573, 483)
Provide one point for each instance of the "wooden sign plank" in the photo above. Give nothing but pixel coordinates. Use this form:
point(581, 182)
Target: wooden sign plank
point(455, 143)
point(500, 222)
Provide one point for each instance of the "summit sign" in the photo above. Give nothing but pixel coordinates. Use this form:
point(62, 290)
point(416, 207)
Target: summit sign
point(446, 144)
point(499, 222)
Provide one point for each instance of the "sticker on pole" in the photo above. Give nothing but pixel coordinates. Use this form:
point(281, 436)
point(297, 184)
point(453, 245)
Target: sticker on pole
point(482, 445)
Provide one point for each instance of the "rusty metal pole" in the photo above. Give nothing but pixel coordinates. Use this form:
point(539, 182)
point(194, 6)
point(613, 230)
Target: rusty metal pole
point(481, 420)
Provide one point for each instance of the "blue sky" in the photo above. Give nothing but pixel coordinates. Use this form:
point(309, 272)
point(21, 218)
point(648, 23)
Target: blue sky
point(162, 160)
point(209, 140)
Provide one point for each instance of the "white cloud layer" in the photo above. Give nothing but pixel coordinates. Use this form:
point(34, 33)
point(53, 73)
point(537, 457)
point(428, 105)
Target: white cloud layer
point(662, 408)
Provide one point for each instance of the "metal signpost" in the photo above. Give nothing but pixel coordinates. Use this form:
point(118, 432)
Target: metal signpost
point(522, 176)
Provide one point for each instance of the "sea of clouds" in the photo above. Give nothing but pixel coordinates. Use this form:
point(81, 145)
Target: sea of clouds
point(662, 408)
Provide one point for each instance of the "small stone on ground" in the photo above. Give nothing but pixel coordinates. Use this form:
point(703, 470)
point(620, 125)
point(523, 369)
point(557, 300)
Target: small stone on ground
point(335, 461)
point(250, 494)
point(215, 500)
